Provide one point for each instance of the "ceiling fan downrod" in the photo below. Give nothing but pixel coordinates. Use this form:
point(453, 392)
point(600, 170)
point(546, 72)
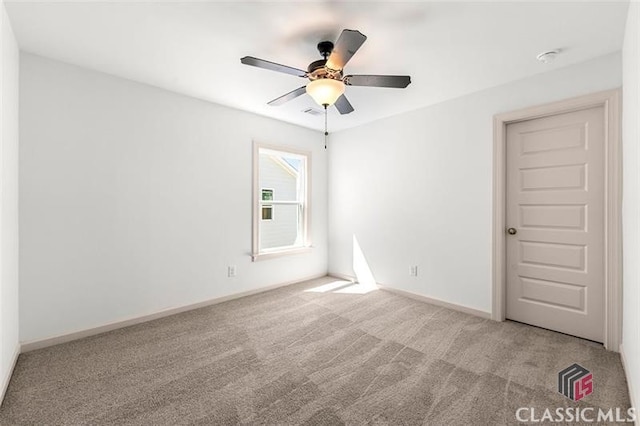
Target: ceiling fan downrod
point(325, 48)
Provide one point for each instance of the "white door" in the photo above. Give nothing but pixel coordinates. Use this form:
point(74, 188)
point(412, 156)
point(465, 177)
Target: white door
point(555, 221)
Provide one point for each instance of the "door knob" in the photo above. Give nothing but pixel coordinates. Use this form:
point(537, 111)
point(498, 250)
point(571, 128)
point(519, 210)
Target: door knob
point(512, 231)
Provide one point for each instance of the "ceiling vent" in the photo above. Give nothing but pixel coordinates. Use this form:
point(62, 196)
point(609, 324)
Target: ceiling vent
point(548, 57)
point(312, 111)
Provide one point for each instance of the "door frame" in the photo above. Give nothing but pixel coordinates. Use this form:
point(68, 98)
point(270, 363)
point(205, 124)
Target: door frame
point(610, 100)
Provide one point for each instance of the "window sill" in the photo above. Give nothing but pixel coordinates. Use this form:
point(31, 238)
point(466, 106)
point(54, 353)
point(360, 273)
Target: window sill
point(279, 253)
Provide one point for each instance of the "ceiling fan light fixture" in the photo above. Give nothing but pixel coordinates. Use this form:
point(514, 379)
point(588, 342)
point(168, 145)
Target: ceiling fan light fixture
point(325, 91)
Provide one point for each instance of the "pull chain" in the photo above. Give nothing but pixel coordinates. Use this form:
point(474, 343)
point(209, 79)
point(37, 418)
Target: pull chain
point(326, 134)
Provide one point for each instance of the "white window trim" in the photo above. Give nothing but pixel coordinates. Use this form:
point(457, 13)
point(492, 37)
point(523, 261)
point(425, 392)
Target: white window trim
point(256, 202)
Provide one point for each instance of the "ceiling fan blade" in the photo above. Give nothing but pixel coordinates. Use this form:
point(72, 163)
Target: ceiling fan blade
point(343, 105)
point(395, 81)
point(261, 63)
point(289, 96)
point(347, 45)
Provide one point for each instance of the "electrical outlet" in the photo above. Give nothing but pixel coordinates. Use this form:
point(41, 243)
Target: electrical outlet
point(414, 271)
point(231, 271)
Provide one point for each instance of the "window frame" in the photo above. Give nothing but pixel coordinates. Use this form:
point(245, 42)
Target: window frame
point(256, 253)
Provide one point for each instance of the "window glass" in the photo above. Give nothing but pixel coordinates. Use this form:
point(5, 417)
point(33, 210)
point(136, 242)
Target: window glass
point(282, 201)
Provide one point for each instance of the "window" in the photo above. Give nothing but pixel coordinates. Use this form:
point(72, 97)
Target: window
point(267, 210)
point(267, 194)
point(280, 210)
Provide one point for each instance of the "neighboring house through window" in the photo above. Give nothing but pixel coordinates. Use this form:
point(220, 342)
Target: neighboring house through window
point(267, 210)
point(281, 212)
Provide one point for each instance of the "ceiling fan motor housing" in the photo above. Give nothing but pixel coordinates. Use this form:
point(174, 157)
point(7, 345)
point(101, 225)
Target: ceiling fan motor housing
point(316, 65)
point(317, 69)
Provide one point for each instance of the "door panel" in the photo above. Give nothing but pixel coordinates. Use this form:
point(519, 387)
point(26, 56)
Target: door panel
point(550, 216)
point(555, 201)
point(568, 256)
point(553, 178)
point(554, 293)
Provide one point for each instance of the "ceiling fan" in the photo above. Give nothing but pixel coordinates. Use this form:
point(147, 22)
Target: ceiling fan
point(327, 79)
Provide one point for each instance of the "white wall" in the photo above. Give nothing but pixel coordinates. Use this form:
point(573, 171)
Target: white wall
point(134, 199)
point(9, 64)
point(631, 199)
point(415, 189)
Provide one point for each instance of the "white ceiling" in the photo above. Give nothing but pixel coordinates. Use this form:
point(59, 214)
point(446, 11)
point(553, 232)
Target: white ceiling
point(449, 48)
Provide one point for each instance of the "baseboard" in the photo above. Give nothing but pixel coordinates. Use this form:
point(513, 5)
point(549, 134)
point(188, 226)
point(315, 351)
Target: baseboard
point(342, 276)
point(438, 302)
point(420, 297)
point(632, 394)
point(75, 335)
point(7, 378)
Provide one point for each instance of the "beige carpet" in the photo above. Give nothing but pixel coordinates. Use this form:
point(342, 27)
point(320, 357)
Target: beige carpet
point(292, 356)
